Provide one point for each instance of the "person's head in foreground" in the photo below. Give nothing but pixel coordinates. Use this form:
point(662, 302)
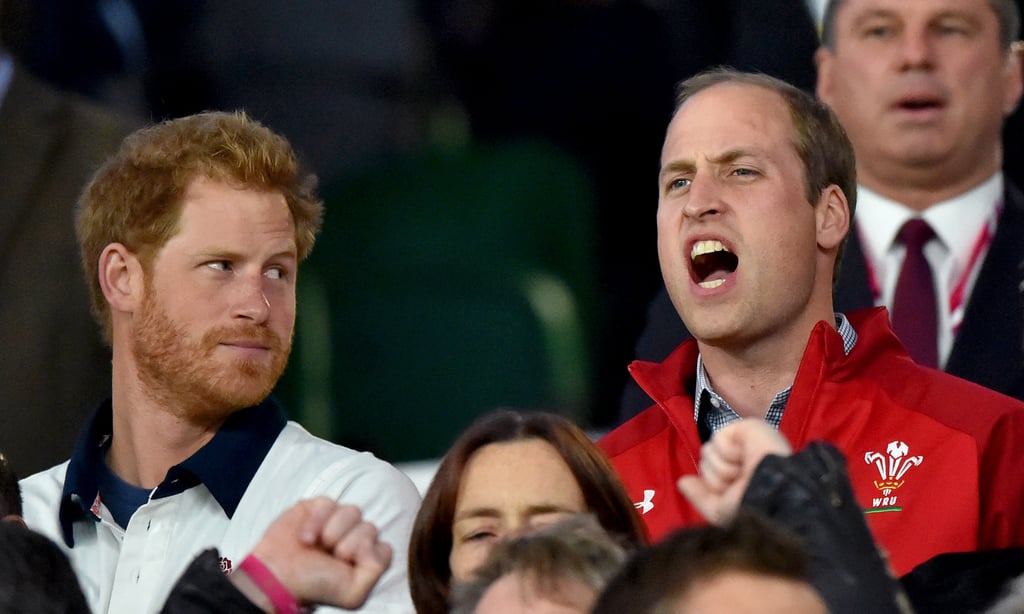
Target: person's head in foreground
point(757, 190)
point(558, 569)
point(190, 238)
point(750, 566)
point(509, 472)
point(35, 575)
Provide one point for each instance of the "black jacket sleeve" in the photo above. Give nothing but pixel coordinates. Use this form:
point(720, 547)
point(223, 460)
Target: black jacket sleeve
point(809, 493)
point(204, 588)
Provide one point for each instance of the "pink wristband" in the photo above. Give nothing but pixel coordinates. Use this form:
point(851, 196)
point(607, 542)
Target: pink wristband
point(280, 598)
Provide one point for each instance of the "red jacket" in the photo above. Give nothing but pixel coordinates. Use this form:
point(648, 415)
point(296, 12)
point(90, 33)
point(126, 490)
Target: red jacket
point(936, 462)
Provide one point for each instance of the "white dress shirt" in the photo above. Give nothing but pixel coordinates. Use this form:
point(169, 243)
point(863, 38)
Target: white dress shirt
point(132, 568)
point(959, 224)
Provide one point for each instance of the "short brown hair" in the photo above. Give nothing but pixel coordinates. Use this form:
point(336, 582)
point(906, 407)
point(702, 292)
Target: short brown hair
point(818, 137)
point(1006, 12)
point(431, 543)
point(135, 198)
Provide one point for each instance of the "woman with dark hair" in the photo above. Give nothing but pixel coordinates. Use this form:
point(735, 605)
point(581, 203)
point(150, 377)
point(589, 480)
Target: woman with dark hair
point(510, 471)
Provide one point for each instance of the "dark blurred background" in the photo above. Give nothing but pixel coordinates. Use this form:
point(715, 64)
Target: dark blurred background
point(488, 166)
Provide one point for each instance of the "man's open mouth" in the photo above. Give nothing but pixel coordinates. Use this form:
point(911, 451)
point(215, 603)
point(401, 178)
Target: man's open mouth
point(710, 263)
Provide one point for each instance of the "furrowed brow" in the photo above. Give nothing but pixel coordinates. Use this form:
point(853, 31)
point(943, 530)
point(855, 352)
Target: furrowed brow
point(731, 155)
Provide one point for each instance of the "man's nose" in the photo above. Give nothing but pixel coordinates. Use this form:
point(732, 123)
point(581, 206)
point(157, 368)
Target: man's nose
point(916, 49)
point(704, 198)
point(251, 302)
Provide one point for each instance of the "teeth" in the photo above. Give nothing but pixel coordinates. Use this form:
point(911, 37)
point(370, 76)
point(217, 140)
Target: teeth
point(706, 247)
point(711, 283)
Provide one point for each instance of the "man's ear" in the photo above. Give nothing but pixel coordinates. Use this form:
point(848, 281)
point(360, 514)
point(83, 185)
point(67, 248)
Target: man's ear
point(1013, 86)
point(121, 277)
point(832, 216)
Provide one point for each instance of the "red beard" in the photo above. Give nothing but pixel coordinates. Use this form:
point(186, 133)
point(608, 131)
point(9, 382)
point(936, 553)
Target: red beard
point(193, 379)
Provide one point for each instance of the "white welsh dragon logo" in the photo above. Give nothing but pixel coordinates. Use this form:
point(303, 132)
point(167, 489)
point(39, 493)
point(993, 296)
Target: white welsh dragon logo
point(893, 467)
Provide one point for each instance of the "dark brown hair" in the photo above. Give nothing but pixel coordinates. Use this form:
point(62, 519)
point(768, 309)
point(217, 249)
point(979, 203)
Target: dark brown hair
point(656, 578)
point(431, 543)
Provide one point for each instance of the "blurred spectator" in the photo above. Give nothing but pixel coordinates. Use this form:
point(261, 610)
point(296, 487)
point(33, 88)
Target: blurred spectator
point(750, 565)
point(54, 366)
point(563, 566)
point(35, 576)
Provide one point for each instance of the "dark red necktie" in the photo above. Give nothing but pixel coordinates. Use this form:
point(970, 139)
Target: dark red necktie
point(914, 309)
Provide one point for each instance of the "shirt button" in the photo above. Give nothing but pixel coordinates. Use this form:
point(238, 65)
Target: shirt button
point(715, 403)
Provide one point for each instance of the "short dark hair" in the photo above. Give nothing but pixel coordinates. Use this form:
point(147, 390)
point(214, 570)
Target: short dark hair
point(35, 575)
point(575, 548)
point(1006, 12)
point(669, 569)
point(10, 492)
point(431, 543)
point(819, 139)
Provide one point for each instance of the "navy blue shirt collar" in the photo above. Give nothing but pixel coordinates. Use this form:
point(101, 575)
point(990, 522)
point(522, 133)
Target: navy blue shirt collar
point(225, 465)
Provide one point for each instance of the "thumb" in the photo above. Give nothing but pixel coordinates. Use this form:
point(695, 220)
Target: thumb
point(694, 489)
point(698, 494)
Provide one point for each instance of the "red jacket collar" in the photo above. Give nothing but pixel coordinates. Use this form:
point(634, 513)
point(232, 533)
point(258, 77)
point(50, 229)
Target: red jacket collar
point(676, 375)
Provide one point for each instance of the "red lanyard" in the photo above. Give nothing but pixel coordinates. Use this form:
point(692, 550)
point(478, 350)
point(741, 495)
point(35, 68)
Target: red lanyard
point(956, 298)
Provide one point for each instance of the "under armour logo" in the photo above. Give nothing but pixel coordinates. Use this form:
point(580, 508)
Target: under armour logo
point(647, 504)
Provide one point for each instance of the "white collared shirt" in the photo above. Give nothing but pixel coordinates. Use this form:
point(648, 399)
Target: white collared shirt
point(132, 569)
point(958, 223)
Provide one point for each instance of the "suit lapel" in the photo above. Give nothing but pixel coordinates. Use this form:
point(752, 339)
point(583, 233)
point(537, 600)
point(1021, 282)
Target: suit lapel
point(988, 348)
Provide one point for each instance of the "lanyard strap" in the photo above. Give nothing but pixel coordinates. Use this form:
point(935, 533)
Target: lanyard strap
point(957, 302)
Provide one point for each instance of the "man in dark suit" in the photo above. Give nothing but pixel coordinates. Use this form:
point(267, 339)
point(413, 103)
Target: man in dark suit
point(923, 91)
point(53, 365)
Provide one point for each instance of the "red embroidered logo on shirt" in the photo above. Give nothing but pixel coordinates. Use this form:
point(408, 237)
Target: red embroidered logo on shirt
point(225, 565)
point(891, 468)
